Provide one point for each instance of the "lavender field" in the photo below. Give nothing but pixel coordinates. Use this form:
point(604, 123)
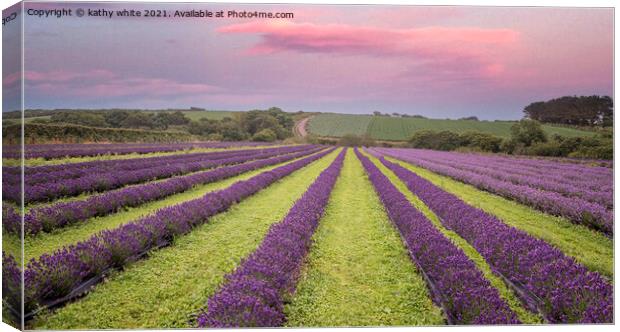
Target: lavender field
point(264, 235)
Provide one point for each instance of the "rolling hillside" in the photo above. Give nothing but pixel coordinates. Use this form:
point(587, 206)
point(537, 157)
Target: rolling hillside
point(213, 115)
point(398, 129)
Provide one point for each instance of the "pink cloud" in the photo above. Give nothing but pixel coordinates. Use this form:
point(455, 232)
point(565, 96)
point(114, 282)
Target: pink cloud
point(11, 79)
point(103, 83)
point(65, 76)
point(451, 53)
point(361, 40)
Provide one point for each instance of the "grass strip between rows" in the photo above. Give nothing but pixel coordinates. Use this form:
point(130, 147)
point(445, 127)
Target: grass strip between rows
point(575, 209)
point(545, 279)
point(49, 242)
point(102, 178)
point(53, 279)
point(62, 214)
point(164, 290)
point(254, 294)
point(358, 272)
point(456, 283)
point(506, 293)
point(589, 247)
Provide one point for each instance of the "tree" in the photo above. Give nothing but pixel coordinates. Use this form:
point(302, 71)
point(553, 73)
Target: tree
point(84, 118)
point(285, 119)
point(138, 120)
point(280, 122)
point(115, 118)
point(203, 127)
point(255, 121)
point(177, 118)
point(572, 110)
point(265, 135)
point(165, 119)
point(526, 132)
point(470, 118)
point(376, 113)
point(430, 139)
point(231, 131)
point(481, 141)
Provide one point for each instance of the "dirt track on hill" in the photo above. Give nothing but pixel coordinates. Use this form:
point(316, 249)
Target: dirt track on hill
point(300, 127)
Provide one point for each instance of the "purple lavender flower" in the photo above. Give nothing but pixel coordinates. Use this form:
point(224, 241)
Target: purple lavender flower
point(74, 181)
point(53, 276)
point(50, 151)
point(253, 294)
point(571, 206)
point(454, 280)
point(47, 218)
point(11, 283)
point(552, 283)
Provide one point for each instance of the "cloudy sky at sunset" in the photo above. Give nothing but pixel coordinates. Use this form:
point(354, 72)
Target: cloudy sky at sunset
point(435, 61)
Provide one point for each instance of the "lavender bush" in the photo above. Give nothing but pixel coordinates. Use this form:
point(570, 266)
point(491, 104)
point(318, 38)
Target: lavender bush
point(560, 288)
point(47, 218)
point(11, 282)
point(253, 294)
point(594, 178)
point(11, 220)
point(53, 276)
point(589, 188)
point(454, 280)
point(55, 173)
point(50, 151)
point(102, 180)
point(575, 209)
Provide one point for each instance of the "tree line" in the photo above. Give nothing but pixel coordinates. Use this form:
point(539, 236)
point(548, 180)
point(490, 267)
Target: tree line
point(526, 138)
point(258, 125)
point(590, 111)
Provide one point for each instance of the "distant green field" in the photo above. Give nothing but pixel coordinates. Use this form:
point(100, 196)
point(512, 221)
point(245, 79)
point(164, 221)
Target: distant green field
point(192, 115)
point(213, 115)
point(7, 122)
point(45, 117)
point(399, 129)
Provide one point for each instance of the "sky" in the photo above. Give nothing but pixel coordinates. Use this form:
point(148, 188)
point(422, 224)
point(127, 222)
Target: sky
point(437, 61)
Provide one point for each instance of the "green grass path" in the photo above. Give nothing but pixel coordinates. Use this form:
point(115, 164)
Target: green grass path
point(165, 289)
point(505, 293)
point(358, 271)
point(587, 246)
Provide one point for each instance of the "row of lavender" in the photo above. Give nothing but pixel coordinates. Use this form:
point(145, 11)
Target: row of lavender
point(54, 276)
point(591, 177)
point(576, 209)
point(253, 294)
point(551, 164)
point(47, 218)
point(97, 180)
point(51, 151)
point(547, 280)
point(595, 188)
point(572, 160)
point(52, 173)
point(558, 172)
point(455, 282)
